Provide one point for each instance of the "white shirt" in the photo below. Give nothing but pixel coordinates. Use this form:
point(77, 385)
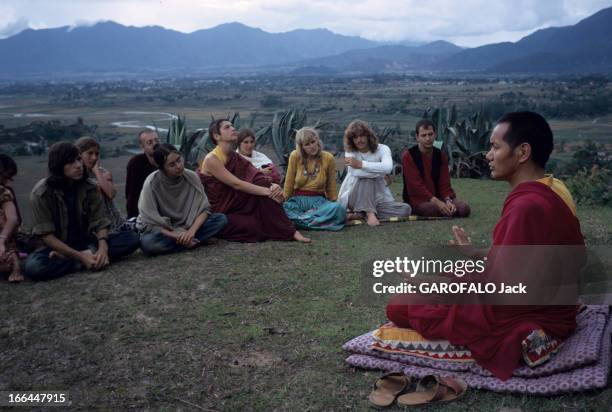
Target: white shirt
point(258, 159)
point(374, 165)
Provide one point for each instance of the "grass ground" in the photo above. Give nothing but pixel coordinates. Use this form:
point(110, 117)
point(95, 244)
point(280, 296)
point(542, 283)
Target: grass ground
point(235, 326)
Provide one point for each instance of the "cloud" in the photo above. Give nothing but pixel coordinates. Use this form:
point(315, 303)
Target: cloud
point(14, 27)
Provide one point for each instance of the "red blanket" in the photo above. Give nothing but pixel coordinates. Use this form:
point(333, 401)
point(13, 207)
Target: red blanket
point(532, 215)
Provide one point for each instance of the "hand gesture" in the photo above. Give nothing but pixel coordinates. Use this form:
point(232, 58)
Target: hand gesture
point(462, 242)
point(353, 162)
point(87, 258)
point(451, 207)
point(186, 239)
point(443, 207)
point(276, 193)
point(101, 259)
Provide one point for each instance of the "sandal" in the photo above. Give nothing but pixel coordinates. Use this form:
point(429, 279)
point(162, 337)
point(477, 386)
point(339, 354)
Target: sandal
point(387, 388)
point(434, 389)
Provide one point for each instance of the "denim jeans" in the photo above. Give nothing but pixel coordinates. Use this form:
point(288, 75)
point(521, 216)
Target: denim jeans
point(39, 266)
point(157, 243)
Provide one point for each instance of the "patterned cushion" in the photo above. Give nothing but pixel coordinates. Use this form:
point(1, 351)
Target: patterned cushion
point(389, 338)
point(538, 347)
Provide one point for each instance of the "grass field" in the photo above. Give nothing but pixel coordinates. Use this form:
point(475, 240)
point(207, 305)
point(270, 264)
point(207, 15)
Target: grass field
point(236, 326)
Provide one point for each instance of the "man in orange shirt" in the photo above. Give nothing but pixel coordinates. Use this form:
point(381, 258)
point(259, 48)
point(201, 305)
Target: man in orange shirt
point(427, 186)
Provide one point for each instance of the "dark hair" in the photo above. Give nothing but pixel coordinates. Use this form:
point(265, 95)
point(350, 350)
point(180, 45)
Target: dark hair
point(531, 128)
point(161, 151)
point(425, 123)
point(61, 154)
point(359, 128)
point(244, 133)
point(85, 143)
point(215, 128)
point(8, 167)
point(143, 132)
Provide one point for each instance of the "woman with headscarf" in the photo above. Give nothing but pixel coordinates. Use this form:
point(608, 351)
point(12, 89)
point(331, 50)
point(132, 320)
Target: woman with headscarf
point(173, 210)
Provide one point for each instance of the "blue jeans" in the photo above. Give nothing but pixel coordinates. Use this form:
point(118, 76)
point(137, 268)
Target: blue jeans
point(157, 243)
point(39, 266)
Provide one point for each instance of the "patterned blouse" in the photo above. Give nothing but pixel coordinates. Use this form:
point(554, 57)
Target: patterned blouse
point(6, 195)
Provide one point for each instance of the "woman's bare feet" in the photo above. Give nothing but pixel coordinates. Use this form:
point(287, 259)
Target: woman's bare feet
point(372, 220)
point(16, 277)
point(301, 238)
point(353, 216)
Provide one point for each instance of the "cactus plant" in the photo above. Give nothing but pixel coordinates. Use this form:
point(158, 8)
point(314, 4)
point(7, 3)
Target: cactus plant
point(465, 143)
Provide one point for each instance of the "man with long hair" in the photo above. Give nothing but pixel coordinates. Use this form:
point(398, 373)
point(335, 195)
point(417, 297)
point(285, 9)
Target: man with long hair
point(68, 216)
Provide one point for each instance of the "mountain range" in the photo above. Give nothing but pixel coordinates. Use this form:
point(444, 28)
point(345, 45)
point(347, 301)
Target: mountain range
point(109, 47)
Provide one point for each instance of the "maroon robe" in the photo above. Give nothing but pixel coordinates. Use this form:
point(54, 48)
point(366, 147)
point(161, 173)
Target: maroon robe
point(250, 218)
point(532, 215)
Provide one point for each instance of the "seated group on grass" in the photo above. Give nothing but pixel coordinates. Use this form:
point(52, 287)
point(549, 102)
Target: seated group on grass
point(235, 195)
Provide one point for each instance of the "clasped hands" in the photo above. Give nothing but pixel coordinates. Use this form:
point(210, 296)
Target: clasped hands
point(276, 193)
point(95, 261)
point(447, 208)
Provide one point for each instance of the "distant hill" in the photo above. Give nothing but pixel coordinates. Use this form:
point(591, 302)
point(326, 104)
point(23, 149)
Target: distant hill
point(387, 58)
point(585, 47)
point(111, 47)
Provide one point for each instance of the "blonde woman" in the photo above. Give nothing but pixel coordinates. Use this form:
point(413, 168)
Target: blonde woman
point(310, 185)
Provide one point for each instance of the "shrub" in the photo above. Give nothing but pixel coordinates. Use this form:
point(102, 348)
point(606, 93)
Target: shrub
point(592, 187)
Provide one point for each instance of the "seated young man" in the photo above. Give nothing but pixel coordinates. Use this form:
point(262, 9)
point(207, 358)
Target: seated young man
point(427, 185)
point(68, 215)
point(538, 211)
point(138, 168)
point(364, 190)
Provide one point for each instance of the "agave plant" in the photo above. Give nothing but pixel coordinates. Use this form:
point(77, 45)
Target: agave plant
point(465, 142)
point(177, 131)
point(201, 143)
point(281, 132)
point(177, 136)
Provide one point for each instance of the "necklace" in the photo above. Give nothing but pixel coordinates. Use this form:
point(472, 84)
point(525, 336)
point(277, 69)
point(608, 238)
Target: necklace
point(314, 173)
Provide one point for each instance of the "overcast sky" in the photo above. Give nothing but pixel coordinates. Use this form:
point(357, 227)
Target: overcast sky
point(466, 23)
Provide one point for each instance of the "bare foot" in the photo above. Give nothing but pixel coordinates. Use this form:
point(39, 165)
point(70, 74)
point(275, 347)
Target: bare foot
point(56, 255)
point(353, 216)
point(372, 220)
point(301, 238)
point(16, 277)
point(193, 243)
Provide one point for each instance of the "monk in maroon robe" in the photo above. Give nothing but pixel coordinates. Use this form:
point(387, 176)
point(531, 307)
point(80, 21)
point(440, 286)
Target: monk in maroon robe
point(538, 211)
point(250, 218)
point(237, 189)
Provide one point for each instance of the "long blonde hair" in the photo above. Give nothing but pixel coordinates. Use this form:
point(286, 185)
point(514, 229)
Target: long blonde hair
point(305, 135)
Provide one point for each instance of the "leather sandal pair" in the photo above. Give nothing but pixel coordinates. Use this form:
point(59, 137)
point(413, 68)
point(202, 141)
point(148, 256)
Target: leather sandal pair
point(392, 387)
